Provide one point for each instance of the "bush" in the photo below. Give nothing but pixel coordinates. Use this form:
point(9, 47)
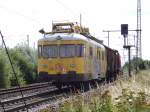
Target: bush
point(3, 70)
point(7, 77)
point(139, 63)
point(24, 61)
point(92, 102)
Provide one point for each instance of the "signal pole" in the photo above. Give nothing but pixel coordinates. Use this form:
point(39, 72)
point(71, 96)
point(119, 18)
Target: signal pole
point(124, 32)
point(129, 58)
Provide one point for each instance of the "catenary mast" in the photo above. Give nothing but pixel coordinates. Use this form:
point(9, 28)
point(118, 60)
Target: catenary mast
point(139, 43)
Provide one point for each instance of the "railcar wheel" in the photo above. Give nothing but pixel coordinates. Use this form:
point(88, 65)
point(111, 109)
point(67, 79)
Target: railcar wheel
point(115, 76)
point(96, 85)
point(107, 79)
point(86, 86)
point(59, 86)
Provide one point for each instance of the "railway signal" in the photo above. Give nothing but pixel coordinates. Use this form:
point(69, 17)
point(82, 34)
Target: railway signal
point(124, 29)
point(124, 32)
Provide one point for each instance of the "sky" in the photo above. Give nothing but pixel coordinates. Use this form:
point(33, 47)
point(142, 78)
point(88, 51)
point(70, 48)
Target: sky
point(20, 18)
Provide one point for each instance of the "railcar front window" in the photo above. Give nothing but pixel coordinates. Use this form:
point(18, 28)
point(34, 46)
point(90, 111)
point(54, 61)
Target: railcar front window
point(71, 50)
point(50, 51)
point(67, 50)
point(53, 51)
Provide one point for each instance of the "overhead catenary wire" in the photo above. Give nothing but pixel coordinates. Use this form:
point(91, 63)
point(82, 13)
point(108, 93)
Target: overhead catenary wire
point(67, 8)
point(12, 11)
point(15, 74)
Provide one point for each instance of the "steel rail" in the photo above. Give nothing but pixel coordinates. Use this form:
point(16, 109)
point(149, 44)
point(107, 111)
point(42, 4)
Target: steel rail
point(32, 100)
point(16, 89)
point(28, 105)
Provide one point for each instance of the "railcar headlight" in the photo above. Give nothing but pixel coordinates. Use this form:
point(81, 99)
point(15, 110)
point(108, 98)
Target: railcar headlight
point(72, 65)
point(44, 65)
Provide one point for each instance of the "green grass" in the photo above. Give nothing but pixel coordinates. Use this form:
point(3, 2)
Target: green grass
point(125, 95)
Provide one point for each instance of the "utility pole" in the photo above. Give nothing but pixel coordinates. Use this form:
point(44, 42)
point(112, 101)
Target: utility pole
point(2, 43)
point(80, 20)
point(28, 40)
point(108, 32)
point(34, 46)
point(107, 35)
point(14, 72)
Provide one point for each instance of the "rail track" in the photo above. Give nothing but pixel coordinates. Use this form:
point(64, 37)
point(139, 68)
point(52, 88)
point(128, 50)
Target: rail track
point(14, 92)
point(34, 95)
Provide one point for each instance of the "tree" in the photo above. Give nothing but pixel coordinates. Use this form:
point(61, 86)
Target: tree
point(3, 77)
point(139, 63)
point(26, 59)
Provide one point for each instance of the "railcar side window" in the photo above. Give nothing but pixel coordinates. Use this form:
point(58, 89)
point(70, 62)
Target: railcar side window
point(98, 54)
point(80, 50)
point(103, 55)
point(50, 51)
point(91, 51)
point(67, 50)
point(39, 51)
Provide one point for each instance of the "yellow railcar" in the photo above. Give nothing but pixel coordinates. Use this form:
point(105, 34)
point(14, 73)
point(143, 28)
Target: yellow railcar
point(70, 57)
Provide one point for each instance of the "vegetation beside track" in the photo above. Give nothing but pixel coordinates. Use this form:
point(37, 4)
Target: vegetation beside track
point(24, 61)
point(138, 63)
point(124, 95)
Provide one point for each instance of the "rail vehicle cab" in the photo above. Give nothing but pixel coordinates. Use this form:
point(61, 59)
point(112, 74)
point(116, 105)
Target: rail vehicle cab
point(61, 58)
point(67, 56)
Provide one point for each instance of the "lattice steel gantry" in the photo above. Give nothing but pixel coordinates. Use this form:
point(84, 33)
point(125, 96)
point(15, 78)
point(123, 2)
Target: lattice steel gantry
point(139, 43)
